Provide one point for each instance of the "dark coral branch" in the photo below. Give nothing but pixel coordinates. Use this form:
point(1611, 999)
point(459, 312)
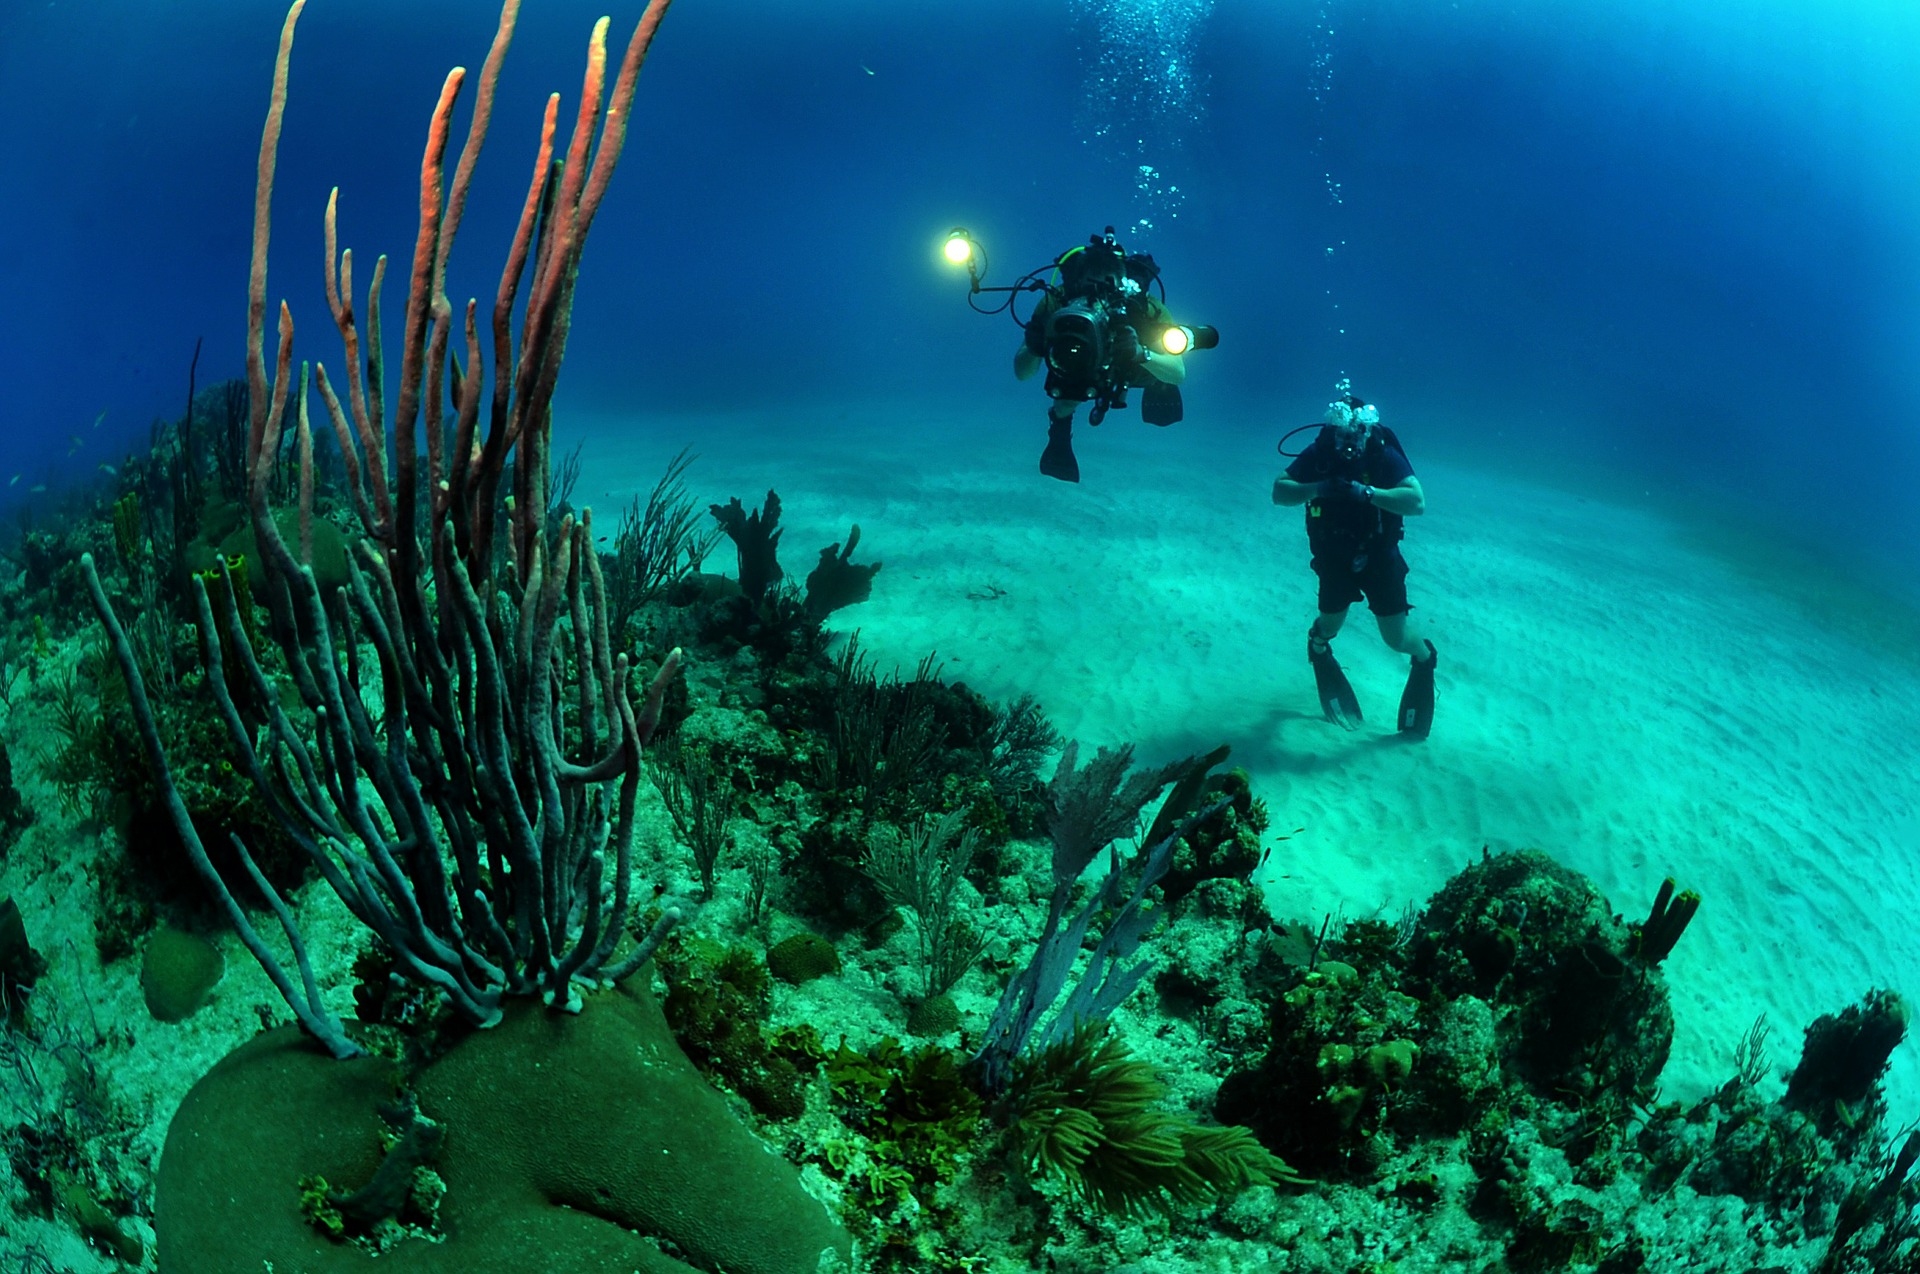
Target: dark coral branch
point(1671, 915)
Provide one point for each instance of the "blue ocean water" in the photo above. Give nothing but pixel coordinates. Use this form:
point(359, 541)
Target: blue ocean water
point(1679, 243)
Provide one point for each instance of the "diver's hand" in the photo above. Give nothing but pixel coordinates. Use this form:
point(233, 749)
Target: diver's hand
point(1340, 490)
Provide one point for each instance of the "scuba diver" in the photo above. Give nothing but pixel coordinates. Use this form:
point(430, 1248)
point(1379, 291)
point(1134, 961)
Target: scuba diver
point(1099, 331)
point(1358, 487)
point(1085, 362)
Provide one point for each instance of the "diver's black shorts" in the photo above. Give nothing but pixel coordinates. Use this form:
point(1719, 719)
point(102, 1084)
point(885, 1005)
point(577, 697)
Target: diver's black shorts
point(1380, 576)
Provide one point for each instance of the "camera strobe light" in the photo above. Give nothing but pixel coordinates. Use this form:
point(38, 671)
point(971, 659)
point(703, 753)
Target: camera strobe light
point(959, 246)
point(1176, 340)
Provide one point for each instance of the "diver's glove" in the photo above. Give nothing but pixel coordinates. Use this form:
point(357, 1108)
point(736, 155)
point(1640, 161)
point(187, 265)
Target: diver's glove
point(1339, 490)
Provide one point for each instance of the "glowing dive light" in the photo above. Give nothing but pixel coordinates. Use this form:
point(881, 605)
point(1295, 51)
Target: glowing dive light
point(959, 246)
point(1181, 339)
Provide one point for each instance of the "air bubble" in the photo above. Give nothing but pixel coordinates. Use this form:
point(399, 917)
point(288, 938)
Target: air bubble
point(1141, 84)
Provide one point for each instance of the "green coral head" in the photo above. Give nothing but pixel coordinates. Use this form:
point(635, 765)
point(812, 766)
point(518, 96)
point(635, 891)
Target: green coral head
point(1391, 1064)
point(1346, 1102)
point(802, 958)
point(1335, 1058)
point(316, 1205)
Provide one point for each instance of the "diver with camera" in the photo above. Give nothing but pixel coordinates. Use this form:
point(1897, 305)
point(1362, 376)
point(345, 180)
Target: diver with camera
point(1099, 332)
point(1359, 488)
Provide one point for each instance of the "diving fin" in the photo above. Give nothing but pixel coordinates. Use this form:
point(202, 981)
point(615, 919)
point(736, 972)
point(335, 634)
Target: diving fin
point(1416, 701)
point(1337, 699)
point(1160, 403)
point(1058, 461)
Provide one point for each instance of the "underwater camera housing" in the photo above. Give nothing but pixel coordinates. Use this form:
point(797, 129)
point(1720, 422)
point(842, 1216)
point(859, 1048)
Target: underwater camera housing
point(1090, 345)
point(1079, 356)
point(1094, 285)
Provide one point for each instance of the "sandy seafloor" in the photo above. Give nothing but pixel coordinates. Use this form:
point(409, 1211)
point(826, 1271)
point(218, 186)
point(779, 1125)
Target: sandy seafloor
point(1611, 689)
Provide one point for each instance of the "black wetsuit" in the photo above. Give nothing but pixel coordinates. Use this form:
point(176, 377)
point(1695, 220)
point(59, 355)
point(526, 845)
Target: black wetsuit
point(1356, 546)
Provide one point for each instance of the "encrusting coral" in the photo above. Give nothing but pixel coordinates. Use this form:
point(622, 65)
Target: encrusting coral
point(574, 1142)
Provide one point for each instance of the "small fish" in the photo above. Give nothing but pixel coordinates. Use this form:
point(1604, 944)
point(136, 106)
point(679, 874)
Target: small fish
point(109, 470)
point(866, 68)
point(102, 416)
point(37, 488)
point(14, 481)
point(77, 444)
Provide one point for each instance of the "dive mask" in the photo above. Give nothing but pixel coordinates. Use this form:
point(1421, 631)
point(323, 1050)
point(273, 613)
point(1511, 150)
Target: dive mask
point(1350, 425)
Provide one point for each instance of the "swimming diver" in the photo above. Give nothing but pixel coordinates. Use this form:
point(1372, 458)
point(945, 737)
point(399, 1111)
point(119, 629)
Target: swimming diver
point(1358, 486)
point(1100, 333)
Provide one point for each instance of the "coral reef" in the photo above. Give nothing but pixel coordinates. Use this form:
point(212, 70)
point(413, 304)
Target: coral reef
point(547, 1015)
point(717, 1006)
